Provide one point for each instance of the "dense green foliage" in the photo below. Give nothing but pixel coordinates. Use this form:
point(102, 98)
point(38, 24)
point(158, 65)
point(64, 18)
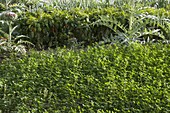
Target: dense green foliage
point(103, 79)
point(54, 23)
point(52, 27)
point(128, 70)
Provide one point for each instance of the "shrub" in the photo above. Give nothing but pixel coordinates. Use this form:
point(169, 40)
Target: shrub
point(50, 27)
point(115, 78)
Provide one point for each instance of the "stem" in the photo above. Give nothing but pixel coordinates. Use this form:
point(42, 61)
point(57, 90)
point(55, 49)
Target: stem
point(130, 22)
point(131, 14)
point(6, 4)
point(10, 34)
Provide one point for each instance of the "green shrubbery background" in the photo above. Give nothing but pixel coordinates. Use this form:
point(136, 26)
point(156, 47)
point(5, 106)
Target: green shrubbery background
point(115, 78)
point(52, 27)
point(66, 24)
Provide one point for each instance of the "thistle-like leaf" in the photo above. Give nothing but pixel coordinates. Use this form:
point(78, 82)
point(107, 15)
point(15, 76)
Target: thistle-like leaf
point(13, 29)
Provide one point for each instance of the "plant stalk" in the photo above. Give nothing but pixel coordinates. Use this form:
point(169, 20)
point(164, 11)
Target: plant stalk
point(10, 34)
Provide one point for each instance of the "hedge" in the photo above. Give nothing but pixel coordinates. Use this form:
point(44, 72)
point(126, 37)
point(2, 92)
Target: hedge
point(99, 79)
point(52, 27)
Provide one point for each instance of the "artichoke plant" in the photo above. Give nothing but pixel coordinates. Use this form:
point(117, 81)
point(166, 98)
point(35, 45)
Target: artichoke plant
point(10, 43)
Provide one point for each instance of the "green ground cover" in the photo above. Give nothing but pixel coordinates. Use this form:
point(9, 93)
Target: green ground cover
point(105, 79)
